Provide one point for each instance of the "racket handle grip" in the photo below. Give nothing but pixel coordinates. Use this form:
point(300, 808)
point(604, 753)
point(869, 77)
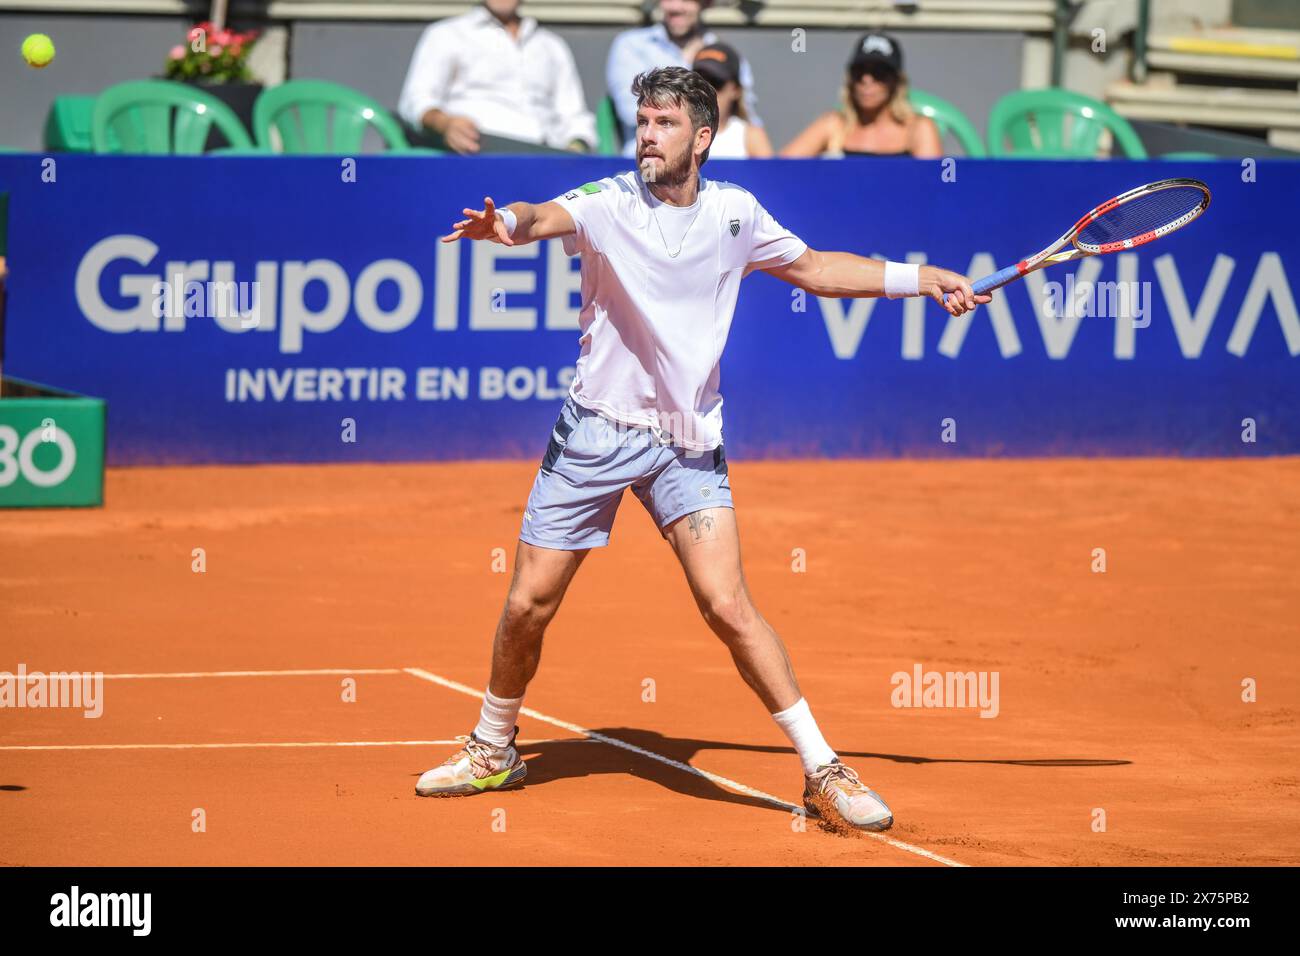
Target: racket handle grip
point(995, 281)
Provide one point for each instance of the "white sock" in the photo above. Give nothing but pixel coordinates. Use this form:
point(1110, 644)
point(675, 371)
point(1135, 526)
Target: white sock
point(798, 724)
point(496, 721)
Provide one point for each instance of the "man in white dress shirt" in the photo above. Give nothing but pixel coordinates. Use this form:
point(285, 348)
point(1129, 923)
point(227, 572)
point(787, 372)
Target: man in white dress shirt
point(493, 71)
point(663, 253)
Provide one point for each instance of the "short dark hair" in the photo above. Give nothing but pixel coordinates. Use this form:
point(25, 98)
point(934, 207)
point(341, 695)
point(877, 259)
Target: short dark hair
point(678, 86)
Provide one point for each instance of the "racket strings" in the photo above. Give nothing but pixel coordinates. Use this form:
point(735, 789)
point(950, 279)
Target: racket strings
point(1142, 214)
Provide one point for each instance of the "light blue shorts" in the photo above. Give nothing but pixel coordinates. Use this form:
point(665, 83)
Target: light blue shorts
point(588, 463)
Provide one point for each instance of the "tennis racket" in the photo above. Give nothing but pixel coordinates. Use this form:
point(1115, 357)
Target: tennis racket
point(1130, 220)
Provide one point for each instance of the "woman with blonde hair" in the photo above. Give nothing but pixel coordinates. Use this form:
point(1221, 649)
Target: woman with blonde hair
point(876, 119)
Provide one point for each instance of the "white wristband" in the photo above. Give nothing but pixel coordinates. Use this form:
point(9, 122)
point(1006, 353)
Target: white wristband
point(510, 219)
point(902, 278)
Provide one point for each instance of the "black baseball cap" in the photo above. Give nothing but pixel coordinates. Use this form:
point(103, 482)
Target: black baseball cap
point(718, 63)
point(876, 49)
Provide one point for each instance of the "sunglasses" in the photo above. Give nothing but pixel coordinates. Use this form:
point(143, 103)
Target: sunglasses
point(880, 72)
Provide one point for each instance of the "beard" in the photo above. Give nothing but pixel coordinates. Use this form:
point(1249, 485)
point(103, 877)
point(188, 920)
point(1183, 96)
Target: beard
point(674, 171)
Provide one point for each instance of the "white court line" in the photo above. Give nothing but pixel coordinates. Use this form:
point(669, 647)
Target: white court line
point(713, 777)
point(235, 746)
point(292, 673)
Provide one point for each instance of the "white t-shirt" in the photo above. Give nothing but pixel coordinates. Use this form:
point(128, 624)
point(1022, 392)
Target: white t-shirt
point(730, 141)
point(653, 324)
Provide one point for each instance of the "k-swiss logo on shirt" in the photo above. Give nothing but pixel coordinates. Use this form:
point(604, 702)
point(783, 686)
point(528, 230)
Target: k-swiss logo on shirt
point(735, 228)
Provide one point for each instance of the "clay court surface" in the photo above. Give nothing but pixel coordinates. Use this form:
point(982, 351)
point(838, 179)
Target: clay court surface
point(1119, 691)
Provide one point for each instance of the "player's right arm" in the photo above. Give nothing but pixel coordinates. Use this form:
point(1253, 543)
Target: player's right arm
point(533, 222)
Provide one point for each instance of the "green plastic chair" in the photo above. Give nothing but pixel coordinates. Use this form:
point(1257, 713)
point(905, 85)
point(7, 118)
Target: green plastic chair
point(608, 141)
point(69, 126)
point(158, 117)
point(301, 110)
point(1193, 155)
point(949, 119)
point(1057, 124)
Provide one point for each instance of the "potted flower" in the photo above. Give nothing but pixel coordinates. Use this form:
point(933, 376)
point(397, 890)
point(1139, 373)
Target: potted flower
point(216, 60)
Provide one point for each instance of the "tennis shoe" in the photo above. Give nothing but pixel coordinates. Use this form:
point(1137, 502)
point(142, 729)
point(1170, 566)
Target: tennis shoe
point(476, 767)
point(834, 794)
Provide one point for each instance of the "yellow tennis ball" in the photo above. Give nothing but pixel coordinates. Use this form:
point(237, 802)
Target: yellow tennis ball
point(38, 50)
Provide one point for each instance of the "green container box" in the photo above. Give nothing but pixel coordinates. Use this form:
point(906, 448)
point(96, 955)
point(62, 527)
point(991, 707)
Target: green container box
point(51, 447)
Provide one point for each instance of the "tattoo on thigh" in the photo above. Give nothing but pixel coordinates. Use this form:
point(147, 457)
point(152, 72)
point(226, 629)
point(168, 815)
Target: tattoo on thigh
point(703, 526)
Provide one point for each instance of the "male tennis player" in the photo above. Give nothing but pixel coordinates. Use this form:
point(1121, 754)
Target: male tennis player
point(663, 252)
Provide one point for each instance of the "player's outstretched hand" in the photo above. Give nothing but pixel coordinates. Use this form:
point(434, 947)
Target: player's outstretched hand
point(952, 290)
point(481, 224)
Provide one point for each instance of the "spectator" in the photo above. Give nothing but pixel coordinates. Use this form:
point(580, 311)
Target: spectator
point(876, 119)
point(495, 72)
point(735, 137)
point(675, 42)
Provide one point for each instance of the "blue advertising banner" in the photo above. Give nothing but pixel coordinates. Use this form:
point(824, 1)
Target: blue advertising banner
point(136, 279)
